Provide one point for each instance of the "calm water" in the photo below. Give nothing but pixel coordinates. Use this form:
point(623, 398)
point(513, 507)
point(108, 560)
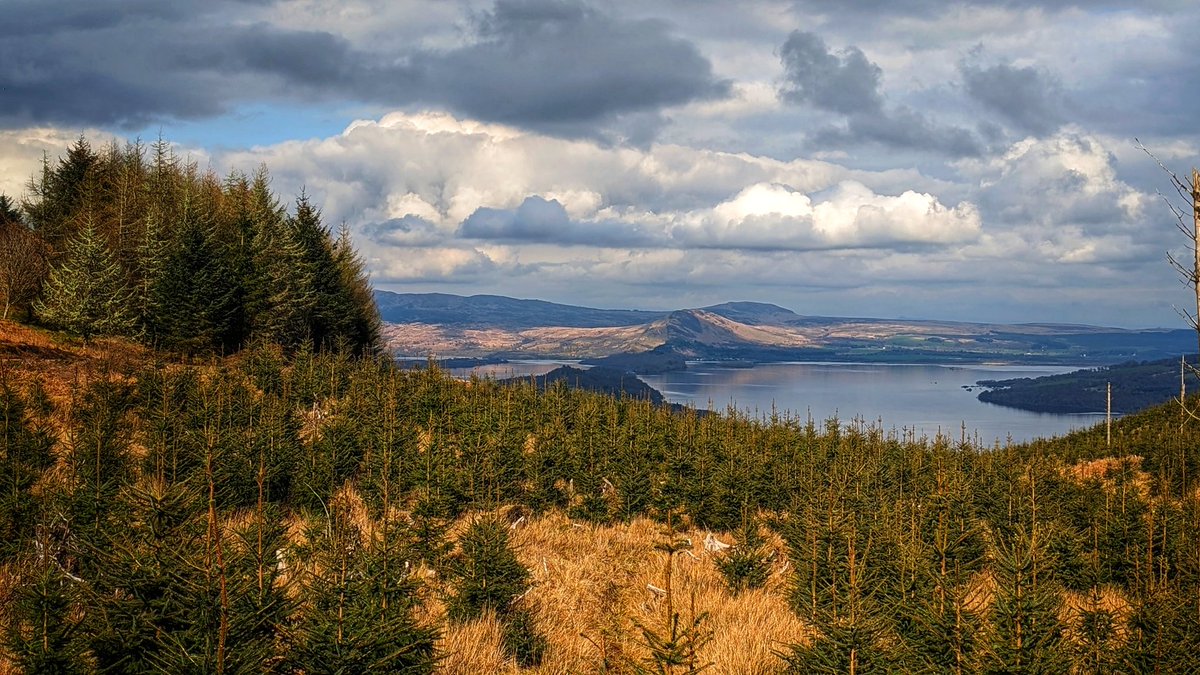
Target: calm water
point(926, 399)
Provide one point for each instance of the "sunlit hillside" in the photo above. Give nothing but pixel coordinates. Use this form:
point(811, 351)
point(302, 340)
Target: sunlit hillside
point(365, 511)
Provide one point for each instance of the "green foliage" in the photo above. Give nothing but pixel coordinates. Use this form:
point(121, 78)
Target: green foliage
point(358, 614)
point(673, 651)
point(42, 632)
point(154, 247)
point(487, 575)
point(673, 647)
point(522, 638)
point(173, 484)
point(192, 301)
point(174, 595)
point(747, 565)
point(1025, 633)
point(99, 459)
point(26, 443)
point(86, 293)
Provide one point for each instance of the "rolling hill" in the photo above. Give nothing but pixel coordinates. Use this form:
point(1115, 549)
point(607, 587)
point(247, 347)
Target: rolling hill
point(448, 325)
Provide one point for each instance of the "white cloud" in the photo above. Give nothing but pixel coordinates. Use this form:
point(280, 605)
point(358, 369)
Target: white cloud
point(21, 153)
point(1067, 179)
point(778, 217)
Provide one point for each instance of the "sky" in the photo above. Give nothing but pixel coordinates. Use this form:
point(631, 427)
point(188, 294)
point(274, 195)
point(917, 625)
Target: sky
point(969, 161)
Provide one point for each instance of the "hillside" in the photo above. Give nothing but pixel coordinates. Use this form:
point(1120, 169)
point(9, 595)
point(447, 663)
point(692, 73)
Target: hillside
point(1135, 386)
point(491, 326)
point(601, 380)
point(322, 509)
point(498, 312)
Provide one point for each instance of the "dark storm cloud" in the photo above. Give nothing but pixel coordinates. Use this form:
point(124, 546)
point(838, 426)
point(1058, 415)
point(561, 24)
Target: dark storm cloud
point(1026, 97)
point(409, 230)
point(902, 128)
point(849, 84)
point(846, 83)
point(931, 7)
point(550, 64)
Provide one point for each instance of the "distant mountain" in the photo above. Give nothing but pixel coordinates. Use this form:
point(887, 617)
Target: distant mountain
point(442, 325)
point(496, 311)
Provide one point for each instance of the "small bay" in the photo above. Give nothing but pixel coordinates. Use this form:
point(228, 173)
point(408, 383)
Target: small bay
point(924, 399)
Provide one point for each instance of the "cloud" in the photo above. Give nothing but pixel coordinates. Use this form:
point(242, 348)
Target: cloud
point(441, 264)
point(550, 63)
point(901, 127)
point(1069, 179)
point(849, 215)
point(846, 83)
point(1027, 98)
point(556, 65)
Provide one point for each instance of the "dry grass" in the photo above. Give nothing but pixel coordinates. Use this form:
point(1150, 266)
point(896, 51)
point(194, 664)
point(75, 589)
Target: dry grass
point(1109, 599)
point(1106, 470)
point(62, 363)
point(590, 593)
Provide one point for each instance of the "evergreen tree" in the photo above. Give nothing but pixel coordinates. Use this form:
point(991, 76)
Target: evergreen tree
point(60, 194)
point(746, 566)
point(360, 326)
point(1025, 634)
point(99, 440)
point(487, 575)
point(86, 293)
point(9, 215)
point(357, 617)
point(194, 307)
point(176, 597)
point(43, 631)
point(673, 648)
point(26, 442)
point(280, 293)
point(330, 309)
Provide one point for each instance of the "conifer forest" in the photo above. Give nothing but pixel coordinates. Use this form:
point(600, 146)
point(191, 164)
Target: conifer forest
point(207, 465)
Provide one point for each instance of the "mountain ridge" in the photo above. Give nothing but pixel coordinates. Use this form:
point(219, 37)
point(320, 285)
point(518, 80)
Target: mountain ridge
point(446, 325)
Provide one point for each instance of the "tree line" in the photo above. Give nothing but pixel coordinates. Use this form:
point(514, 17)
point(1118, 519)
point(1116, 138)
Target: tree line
point(138, 242)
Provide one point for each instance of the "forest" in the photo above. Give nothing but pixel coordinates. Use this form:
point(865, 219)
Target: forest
point(1135, 385)
point(137, 242)
point(266, 493)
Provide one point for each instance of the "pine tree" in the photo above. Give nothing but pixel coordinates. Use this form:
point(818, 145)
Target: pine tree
point(330, 306)
point(43, 631)
point(746, 565)
point(194, 308)
point(673, 648)
point(1025, 634)
point(357, 617)
point(60, 194)
point(487, 575)
point(280, 293)
point(86, 293)
point(99, 440)
point(26, 442)
point(361, 325)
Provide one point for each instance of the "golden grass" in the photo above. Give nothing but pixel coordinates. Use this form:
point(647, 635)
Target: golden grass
point(591, 591)
point(1109, 599)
